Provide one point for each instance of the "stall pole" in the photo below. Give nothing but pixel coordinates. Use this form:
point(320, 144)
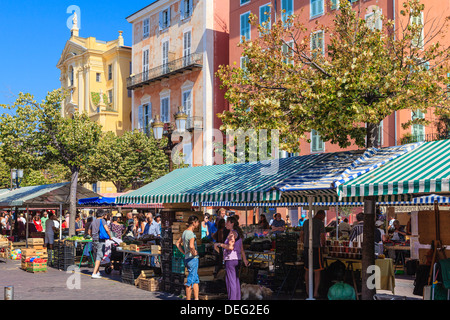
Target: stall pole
point(337, 224)
point(310, 250)
point(246, 222)
point(60, 222)
point(26, 229)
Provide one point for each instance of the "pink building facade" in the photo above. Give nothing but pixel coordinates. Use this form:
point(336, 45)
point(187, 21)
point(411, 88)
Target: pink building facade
point(313, 12)
point(178, 46)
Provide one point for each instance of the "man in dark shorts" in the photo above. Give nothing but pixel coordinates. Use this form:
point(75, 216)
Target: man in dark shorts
point(318, 242)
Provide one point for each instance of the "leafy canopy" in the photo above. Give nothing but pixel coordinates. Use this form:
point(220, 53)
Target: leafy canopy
point(364, 74)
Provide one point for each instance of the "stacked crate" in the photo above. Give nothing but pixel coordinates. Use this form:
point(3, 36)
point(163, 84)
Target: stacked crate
point(62, 255)
point(285, 251)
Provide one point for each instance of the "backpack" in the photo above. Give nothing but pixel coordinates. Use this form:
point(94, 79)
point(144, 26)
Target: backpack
point(102, 234)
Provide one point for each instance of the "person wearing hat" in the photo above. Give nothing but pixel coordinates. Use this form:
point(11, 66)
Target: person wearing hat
point(379, 224)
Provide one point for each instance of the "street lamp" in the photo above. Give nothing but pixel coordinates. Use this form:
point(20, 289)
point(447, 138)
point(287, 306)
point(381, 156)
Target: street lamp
point(16, 178)
point(180, 127)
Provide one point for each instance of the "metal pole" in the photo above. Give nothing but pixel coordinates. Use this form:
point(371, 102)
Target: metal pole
point(26, 229)
point(310, 251)
point(60, 222)
point(337, 224)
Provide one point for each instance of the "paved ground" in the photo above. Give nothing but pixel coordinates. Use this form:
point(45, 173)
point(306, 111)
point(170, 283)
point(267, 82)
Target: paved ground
point(53, 285)
point(56, 284)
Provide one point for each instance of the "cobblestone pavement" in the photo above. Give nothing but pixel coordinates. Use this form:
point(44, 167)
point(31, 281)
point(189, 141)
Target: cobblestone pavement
point(55, 285)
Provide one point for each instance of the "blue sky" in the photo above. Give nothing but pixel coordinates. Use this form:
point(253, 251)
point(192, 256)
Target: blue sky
point(33, 34)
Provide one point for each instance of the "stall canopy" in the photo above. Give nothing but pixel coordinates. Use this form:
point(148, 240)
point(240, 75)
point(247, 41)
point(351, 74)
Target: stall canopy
point(288, 180)
point(97, 201)
point(238, 182)
point(112, 201)
point(423, 170)
point(42, 196)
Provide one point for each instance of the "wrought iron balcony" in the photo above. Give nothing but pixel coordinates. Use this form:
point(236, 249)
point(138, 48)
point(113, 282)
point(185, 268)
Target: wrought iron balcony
point(424, 137)
point(190, 62)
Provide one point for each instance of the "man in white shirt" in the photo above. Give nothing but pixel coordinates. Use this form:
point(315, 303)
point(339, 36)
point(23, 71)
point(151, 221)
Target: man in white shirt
point(50, 230)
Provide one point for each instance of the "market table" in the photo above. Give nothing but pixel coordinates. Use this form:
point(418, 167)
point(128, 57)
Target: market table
point(263, 256)
point(386, 267)
point(128, 253)
point(85, 245)
point(400, 251)
point(349, 268)
point(292, 266)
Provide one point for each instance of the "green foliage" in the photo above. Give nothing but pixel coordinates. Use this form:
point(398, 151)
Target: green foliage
point(365, 75)
point(125, 159)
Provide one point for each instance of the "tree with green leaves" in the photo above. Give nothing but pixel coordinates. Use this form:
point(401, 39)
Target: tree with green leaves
point(38, 136)
point(124, 160)
point(294, 83)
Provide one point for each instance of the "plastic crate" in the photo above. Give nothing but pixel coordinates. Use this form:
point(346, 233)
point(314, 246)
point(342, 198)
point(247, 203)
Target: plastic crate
point(176, 252)
point(178, 265)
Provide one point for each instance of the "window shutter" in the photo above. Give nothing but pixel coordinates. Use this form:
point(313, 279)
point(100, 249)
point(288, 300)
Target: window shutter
point(313, 141)
point(334, 4)
point(140, 118)
point(182, 9)
point(187, 151)
point(161, 20)
point(191, 7)
point(168, 17)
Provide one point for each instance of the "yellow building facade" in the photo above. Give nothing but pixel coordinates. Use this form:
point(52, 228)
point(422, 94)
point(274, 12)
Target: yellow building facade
point(94, 74)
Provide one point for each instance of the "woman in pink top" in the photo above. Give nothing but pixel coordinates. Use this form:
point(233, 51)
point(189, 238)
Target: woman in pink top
point(233, 251)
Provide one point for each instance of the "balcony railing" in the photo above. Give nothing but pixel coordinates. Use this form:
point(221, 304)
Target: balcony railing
point(190, 62)
point(424, 137)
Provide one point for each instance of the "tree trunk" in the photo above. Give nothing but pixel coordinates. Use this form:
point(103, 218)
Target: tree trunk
point(368, 245)
point(73, 201)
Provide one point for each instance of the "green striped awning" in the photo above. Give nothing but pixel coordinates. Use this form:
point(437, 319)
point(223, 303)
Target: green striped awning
point(423, 170)
point(238, 182)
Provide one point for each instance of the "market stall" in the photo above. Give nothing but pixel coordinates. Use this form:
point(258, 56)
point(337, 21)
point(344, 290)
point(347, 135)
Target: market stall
point(245, 183)
point(421, 172)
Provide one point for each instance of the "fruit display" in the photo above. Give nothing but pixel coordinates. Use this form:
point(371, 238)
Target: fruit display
point(79, 238)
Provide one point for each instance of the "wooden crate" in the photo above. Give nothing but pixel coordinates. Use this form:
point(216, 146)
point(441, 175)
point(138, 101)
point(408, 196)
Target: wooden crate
point(150, 284)
point(36, 267)
point(36, 241)
point(184, 215)
point(155, 249)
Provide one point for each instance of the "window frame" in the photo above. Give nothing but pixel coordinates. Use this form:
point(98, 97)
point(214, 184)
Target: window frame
point(248, 26)
point(146, 28)
point(269, 16)
point(162, 114)
point(323, 40)
point(319, 140)
point(313, 15)
point(110, 72)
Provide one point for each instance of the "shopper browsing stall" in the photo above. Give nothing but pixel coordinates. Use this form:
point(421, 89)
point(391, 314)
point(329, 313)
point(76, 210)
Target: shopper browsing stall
point(233, 254)
point(318, 237)
point(97, 230)
point(187, 245)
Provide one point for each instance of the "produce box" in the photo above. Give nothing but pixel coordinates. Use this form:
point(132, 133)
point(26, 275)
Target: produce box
point(184, 215)
point(141, 248)
point(36, 267)
point(36, 241)
point(155, 249)
point(28, 252)
point(150, 284)
point(145, 274)
point(179, 227)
